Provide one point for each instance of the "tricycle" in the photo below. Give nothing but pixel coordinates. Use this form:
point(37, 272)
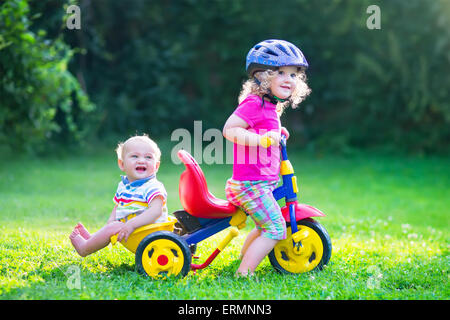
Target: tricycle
point(168, 248)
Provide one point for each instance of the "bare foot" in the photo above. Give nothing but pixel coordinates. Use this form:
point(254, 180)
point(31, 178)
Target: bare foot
point(78, 242)
point(83, 231)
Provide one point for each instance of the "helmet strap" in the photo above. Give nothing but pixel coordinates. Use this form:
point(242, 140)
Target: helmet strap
point(257, 81)
point(272, 98)
point(280, 100)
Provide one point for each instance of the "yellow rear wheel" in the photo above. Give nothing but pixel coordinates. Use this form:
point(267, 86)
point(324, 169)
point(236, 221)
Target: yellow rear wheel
point(313, 253)
point(163, 253)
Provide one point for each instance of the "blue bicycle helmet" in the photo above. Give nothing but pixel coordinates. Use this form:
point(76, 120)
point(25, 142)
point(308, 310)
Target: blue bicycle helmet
point(271, 54)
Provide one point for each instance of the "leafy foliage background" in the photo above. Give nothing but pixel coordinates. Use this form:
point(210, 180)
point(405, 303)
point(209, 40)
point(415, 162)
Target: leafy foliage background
point(153, 66)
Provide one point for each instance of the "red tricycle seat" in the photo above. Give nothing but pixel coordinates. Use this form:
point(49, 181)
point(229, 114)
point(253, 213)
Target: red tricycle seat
point(194, 195)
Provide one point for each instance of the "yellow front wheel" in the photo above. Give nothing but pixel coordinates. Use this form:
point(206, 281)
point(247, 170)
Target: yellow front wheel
point(163, 253)
point(312, 252)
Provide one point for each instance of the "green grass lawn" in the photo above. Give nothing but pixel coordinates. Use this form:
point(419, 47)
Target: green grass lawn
point(387, 216)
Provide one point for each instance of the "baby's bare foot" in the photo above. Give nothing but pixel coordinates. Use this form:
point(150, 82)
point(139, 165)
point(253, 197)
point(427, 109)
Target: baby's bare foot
point(83, 231)
point(77, 242)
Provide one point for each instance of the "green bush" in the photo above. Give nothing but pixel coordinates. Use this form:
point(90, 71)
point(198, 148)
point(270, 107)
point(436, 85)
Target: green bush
point(154, 66)
point(42, 103)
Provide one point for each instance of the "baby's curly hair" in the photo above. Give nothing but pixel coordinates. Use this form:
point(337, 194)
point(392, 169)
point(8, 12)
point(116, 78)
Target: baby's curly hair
point(300, 93)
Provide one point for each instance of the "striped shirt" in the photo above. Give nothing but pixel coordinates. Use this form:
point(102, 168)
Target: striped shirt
point(134, 197)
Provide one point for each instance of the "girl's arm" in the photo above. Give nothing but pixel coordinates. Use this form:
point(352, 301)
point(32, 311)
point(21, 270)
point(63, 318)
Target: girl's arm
point(235, 130)
point(150, 215)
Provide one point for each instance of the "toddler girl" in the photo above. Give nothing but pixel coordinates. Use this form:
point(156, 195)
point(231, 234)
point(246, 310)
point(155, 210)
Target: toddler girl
point(276, 79)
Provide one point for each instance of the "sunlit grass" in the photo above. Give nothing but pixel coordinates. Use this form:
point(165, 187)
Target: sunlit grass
point(387, 217)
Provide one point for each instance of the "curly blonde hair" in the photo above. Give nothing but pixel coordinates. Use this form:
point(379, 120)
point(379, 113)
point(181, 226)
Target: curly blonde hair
point(251, 86)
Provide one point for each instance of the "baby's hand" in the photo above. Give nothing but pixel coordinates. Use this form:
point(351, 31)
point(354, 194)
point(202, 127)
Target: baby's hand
point(125, 232)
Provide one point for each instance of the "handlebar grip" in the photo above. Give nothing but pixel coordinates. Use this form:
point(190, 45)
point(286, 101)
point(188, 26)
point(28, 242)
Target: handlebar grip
point(266, 141)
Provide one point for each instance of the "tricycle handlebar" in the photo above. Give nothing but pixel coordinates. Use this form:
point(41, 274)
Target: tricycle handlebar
point(266, 141)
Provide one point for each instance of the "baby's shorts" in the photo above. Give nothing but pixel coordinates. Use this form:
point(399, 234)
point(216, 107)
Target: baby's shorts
point(256, 199)
point(130, 216)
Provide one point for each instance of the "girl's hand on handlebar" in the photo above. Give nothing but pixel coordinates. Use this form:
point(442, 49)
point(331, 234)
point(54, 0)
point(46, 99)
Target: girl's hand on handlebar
point(270, 138)
point(285, 132)
point(275, 136)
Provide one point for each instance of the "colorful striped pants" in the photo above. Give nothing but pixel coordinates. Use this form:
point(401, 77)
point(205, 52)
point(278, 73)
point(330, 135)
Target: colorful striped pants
point(256, 199)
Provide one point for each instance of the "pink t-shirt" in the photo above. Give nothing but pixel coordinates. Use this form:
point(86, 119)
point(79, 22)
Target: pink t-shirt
point(257, 163)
